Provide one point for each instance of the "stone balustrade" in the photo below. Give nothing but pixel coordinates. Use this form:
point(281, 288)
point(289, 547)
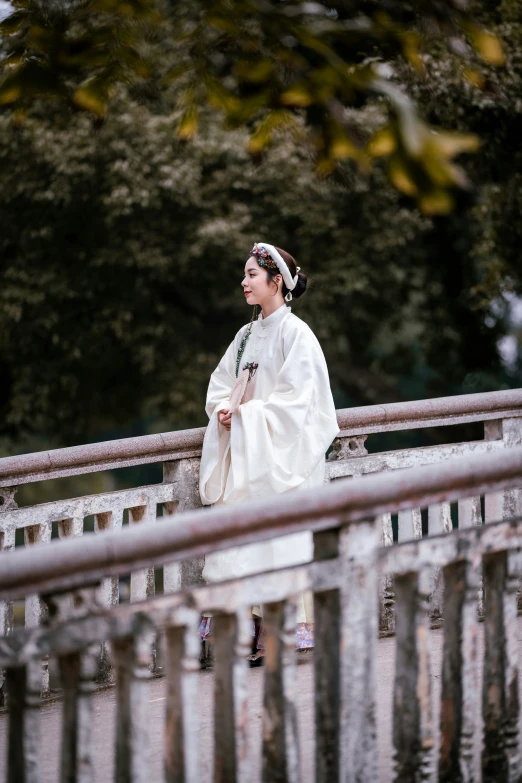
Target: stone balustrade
point(501, 413)
point(479, 736)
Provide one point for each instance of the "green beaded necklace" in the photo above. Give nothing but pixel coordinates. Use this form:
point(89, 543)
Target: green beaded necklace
point(242, 344)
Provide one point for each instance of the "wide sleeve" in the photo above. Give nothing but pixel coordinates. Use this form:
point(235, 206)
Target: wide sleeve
point(277, 444)
point(216, 443)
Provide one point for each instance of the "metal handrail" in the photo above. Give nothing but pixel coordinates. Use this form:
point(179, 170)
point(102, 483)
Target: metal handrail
point(76, 562)
point(182, 444)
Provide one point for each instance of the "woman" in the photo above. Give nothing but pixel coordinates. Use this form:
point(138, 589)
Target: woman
point(275, 440)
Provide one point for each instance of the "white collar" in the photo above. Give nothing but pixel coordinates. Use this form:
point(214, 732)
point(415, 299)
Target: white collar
point(274, 317)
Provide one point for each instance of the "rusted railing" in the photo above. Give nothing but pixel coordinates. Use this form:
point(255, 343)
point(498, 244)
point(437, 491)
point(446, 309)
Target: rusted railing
point(344, 577)
point(501, 413)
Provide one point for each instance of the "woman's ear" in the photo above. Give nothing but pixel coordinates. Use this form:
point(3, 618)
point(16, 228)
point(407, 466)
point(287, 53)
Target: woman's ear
point(278, 280)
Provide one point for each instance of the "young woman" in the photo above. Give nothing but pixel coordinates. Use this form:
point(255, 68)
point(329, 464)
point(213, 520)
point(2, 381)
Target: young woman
point(275, 440)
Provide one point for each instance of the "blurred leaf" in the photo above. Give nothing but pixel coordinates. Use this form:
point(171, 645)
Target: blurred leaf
point(411, 49)
point(341, 146)
point(188, 124)
point(224, 22)
point(264, 132)
point(487, 45)
point(220, 97)
point(436, 202)
point(298, 95)
point(31, 78)
point(93, 96)
point(15, 22)
point(10, 90)
point(452, 144)
point(400, 177)
point(144, 10)
point(473, 77)
point(175, 72)
point(254, 71)
point(383, 142)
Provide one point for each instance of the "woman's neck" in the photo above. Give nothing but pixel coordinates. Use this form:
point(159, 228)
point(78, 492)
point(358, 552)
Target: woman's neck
point(267, 308)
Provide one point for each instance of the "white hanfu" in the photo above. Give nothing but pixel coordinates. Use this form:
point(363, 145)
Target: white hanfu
point(278, 438)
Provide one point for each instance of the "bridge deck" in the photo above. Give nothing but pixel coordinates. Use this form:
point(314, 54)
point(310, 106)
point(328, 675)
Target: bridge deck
point(104, 717)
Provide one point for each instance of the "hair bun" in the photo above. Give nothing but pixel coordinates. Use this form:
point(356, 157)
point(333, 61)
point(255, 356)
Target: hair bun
point(300, 286)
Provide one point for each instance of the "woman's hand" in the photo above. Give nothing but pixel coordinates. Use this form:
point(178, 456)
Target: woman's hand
point(225, 418)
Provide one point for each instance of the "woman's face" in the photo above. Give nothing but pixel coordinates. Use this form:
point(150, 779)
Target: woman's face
point(255, 284)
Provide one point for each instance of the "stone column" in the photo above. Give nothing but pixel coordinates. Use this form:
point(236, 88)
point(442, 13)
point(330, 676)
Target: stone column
point(35, 609)
point(184, 474)
point(7, 543)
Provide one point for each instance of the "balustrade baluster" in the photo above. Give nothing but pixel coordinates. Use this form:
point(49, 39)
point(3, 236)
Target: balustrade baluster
point(281, 758)
point(77, 672)
point(184, 474)
point(35, 608)
point(232, 643)
point(23, 694)
point(359, 608)
point(109, 590)
point(439, 521)
point(171, 571)
point(413, 722)
point(512, 436)
point(327, 667)
point(410, 524)
point(493, 501)
point(142, 581)
point(71, 528)
point(7, 544)
point(68, 528)
point(131, 660)
point(387, 599)
point(500, 696)
point(470, 513)
point(182, 750)
point(459, 725)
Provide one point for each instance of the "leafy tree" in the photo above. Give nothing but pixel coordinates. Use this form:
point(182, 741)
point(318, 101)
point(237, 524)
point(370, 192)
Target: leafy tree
point(122, 248)
point(264, 63)
point(121, 289)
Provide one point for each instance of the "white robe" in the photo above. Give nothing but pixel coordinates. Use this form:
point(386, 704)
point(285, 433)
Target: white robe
point(278, 437)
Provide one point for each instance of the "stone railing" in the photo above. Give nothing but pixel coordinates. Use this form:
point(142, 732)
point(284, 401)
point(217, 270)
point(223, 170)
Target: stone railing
point(479, 736)
point(179, 452)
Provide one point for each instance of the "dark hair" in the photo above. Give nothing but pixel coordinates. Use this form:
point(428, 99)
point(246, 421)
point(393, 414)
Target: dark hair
point(302, 279)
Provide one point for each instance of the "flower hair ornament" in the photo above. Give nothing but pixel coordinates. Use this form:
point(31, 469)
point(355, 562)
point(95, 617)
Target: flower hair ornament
point(268, 257)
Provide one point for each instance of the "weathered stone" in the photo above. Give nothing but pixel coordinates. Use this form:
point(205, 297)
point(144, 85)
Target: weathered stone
point(281, 757)
point(358, 628)
point(232, 639)
point(23, 691)
point(500, 700)
point(77, 673)
point(348, 448)
point(7, 498)
point(184, 476)
point(327, 665)
point(439, 521)
point(7, 544)
point(459, 725)
point(182, 751)
point(413, 736)
point(131, 659)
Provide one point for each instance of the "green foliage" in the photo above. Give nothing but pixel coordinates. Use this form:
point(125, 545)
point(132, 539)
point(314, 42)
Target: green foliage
point(264, 64)
point(122, 259)
point(122, 250)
